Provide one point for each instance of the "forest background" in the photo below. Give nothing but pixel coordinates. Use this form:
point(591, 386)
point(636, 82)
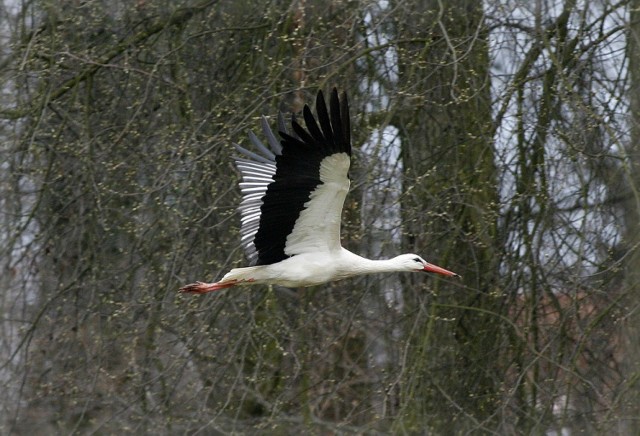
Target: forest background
point(499, 139)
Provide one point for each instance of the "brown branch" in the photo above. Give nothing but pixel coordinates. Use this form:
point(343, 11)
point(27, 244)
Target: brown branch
point(178, 18)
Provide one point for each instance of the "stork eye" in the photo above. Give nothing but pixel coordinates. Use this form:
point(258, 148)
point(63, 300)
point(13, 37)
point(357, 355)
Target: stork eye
point(417, 259)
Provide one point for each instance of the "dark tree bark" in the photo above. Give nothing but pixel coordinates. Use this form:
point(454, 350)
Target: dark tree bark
point(451, 206)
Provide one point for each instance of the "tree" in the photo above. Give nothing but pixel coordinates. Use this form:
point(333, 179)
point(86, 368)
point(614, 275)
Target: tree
point(515, 126)
point(446, 131)
point(627, 182)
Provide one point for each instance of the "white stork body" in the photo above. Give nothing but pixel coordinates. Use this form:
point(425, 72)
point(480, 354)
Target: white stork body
point(292, 206)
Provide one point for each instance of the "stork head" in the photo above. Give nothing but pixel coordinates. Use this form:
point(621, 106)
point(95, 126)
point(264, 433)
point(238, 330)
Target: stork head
point(414, 263)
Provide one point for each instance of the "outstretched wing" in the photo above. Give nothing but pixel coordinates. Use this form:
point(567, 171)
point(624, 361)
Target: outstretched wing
point(293, 194)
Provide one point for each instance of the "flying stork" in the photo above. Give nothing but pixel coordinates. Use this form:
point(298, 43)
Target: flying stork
point(292, 205)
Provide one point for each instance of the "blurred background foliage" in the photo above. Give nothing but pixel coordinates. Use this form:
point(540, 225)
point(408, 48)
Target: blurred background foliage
point(498, 139)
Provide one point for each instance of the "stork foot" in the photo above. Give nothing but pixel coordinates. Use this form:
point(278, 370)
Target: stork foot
point(203, 288)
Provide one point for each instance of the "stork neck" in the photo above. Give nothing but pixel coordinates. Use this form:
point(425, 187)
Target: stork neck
point(382, 265)
point(362, 265)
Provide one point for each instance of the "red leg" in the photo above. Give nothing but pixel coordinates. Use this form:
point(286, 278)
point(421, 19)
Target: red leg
point(203, 288)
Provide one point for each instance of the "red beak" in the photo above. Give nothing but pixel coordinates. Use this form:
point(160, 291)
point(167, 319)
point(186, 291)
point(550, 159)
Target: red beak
point(436, 269)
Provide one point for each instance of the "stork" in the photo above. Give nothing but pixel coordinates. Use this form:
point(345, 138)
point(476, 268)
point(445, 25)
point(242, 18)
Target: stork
point(292, 204)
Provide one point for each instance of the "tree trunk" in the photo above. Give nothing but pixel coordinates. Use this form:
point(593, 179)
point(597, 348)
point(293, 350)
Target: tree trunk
point(450, 209)
point(631, 238)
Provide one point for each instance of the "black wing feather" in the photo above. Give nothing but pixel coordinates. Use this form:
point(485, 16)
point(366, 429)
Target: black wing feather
point(298, 173)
